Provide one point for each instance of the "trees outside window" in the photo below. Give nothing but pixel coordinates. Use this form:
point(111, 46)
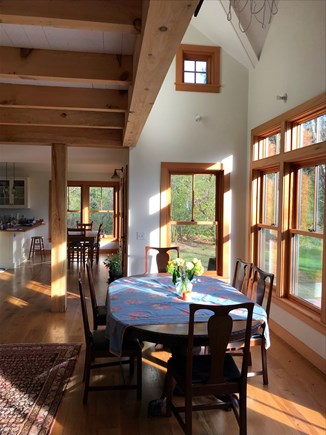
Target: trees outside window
point(192, 211)
point(287, 218)
point(307, 235)
point(93, 201)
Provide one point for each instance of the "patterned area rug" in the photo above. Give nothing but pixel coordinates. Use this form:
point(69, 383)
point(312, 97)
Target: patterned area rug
point(33, 378)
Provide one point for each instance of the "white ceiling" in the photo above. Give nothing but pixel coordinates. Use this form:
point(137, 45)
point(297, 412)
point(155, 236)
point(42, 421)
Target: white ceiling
point(211, 22)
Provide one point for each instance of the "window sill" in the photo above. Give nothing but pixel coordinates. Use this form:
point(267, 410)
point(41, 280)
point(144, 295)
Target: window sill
point(309, 317)
point(197, 87)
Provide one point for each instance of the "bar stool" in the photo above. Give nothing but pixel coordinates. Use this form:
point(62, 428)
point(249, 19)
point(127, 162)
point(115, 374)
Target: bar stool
point(37, 245)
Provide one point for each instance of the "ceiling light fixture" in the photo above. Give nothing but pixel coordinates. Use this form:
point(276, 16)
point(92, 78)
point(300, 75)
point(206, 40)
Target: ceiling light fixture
point(245, 10)
point(115, 175)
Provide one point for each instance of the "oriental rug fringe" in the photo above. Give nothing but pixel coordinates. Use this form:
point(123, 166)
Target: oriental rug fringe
point(33, 378)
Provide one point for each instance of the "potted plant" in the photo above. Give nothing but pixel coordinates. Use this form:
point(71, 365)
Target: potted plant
point(113, 264)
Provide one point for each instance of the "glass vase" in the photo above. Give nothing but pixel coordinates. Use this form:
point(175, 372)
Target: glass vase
point(183, 285)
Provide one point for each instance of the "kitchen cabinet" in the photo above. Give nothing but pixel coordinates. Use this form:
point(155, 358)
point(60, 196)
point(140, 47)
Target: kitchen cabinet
point(15, 244)
point(14, 193)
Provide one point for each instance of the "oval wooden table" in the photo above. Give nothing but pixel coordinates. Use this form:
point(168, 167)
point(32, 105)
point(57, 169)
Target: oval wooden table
point(147, 308)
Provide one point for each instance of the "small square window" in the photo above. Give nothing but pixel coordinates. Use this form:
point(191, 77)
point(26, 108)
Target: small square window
point(198, 68)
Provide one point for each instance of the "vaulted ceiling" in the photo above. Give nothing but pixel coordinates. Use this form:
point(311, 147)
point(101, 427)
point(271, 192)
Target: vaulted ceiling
point(84, 72)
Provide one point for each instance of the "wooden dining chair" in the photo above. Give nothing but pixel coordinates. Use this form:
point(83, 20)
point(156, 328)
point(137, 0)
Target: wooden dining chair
point(97, 244)
point(260, 291)
point(162, 256)
point(99, 311)
point(97, 346)
point(85, 226)
point(215, 374)
point(74, 245)
point(241, 276)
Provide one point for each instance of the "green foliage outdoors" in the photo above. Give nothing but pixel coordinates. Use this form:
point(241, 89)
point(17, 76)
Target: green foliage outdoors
point(101, 202)
point(193, 200)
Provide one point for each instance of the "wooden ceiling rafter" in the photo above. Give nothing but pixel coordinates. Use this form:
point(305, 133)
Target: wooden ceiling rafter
point(64, 110)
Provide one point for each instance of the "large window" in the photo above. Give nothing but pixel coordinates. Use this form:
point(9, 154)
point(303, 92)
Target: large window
point(267, 223)
point(101, 208)
point(287, 236)
point(307, 234)
point(93, 201)
point(193, 215)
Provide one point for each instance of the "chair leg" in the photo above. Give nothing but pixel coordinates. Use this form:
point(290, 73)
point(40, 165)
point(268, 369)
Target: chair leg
point(264, 362)
point(243, 413)
point(139, 377)
point(188, 414)
point(31, 249)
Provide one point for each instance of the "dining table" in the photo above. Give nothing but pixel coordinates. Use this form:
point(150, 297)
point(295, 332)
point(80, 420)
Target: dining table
point(148, 307)
point(80, 244)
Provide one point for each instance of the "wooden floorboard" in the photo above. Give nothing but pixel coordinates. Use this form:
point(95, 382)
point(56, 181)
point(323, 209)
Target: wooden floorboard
point(293, 402)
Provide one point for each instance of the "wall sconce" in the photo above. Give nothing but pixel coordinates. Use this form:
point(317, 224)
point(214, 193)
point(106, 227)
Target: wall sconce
point(283, 97)
point(115, 175)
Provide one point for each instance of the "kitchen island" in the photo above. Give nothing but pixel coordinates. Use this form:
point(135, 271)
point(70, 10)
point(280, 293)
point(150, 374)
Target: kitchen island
point(14, 245)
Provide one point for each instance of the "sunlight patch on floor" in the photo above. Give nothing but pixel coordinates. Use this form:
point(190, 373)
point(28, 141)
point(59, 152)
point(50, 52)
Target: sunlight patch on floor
point(17, 302)
point(282, 410)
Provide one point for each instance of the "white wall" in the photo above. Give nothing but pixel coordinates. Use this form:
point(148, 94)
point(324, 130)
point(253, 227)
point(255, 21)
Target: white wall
point(172, 135)
point(293, 61)
point(34, 162)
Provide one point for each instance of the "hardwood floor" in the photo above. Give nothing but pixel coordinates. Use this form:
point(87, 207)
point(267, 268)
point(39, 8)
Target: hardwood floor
point(293, 402)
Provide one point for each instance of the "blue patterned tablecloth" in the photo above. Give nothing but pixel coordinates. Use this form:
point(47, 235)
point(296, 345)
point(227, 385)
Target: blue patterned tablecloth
point(152, 300)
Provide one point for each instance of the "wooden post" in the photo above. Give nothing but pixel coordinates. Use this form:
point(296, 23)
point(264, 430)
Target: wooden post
point(59, 228)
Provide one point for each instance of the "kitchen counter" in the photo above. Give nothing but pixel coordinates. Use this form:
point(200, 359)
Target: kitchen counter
point(21, 228)
point(15, 243)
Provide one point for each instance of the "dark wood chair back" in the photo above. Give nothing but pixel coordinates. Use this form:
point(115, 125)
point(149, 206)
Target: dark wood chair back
point(99, 311)
point(214, 374)
point(260, 288)
point(241, 276)
point(162, 257)
point(260, 291)
point(87, 330)
point(98, 346)
point(97, 244)
point(85, 226)
point(76, 232)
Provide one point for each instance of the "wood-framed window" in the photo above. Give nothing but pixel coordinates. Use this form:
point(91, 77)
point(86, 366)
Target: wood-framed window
point(198, 68)
point(93, 201)
point(306, 232)
point(192, 212)
point(266, 191)
point(287, 207)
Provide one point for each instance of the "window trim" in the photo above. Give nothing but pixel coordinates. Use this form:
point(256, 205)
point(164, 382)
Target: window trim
point(85, 185)
point(222, 213)
point(286, 161)
point(211, 55)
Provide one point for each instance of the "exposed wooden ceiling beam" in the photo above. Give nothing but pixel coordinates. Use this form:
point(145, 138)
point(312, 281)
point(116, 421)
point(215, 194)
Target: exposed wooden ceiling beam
point(160, 25)
point(88, 137)
point(60, 118)
point(100, 15)
point(54, 65)
point(54, 97)
point(164, 24)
